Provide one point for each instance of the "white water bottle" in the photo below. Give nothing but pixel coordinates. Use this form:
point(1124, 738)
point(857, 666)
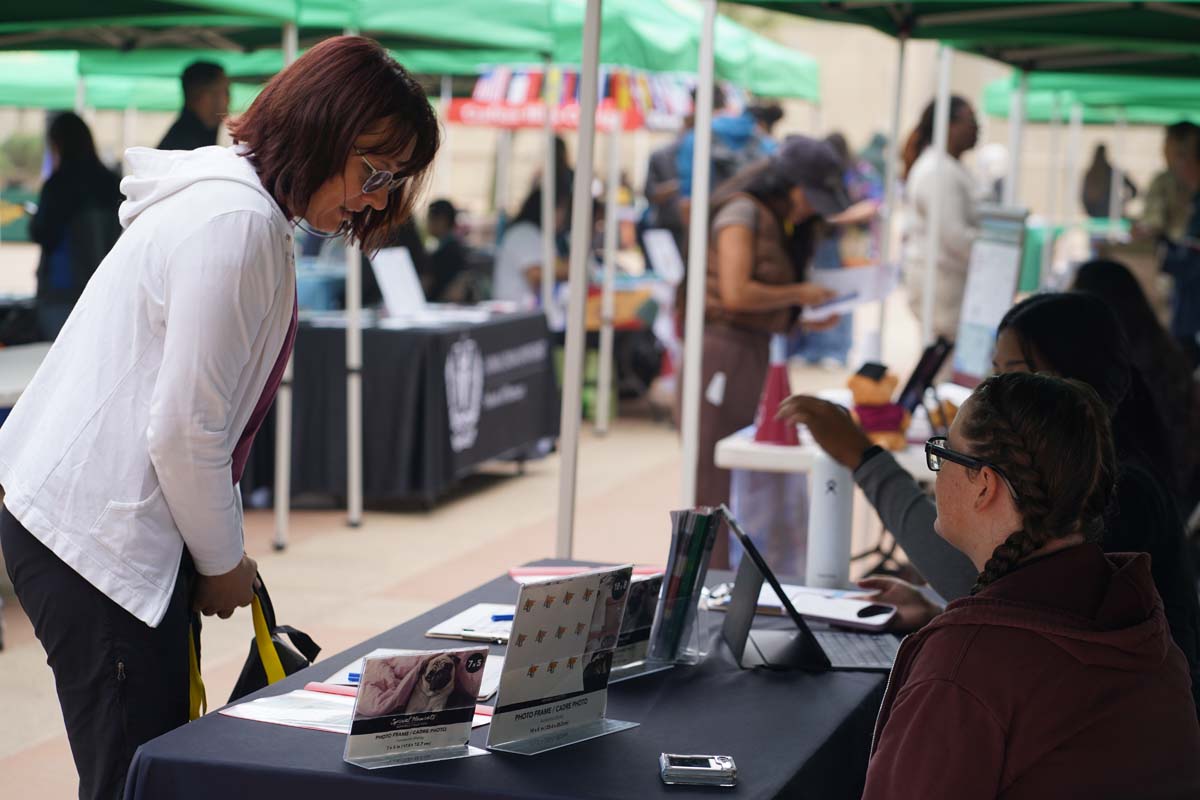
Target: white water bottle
point(829, 518)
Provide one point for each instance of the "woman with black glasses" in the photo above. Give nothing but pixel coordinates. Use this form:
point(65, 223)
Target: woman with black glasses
point(120, 463)
point(1056, 677)
point(1071, 335)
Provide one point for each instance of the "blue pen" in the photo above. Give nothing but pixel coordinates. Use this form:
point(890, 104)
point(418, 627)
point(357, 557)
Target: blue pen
point(502, 617)
point(354, 677)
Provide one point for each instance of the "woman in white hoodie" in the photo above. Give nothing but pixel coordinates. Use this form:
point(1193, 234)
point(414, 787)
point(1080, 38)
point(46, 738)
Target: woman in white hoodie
point(121, 460)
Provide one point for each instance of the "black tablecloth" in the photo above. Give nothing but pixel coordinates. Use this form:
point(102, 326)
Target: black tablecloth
point(437, 402)
point(792, 735)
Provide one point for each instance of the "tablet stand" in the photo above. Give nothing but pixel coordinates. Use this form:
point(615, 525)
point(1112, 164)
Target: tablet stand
point(769, 649)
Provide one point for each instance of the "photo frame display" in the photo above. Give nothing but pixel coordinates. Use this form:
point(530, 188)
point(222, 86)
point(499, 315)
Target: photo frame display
point(415, 706)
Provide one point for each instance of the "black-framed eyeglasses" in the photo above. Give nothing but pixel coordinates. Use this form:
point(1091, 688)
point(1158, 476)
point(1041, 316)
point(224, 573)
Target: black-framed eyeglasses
point(936, 452)
point(379, 178)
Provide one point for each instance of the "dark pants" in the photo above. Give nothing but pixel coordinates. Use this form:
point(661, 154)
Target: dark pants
point(120, 682)
point(742, 358)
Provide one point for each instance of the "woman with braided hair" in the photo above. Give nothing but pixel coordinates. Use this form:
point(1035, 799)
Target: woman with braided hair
point(1056, 677)
point(1072, 335)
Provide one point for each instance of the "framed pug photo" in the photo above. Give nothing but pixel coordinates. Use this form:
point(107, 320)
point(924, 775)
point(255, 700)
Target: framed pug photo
point(415, 706)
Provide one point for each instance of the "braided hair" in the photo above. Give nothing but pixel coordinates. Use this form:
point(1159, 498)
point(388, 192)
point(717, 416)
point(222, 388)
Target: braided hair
point(1052, 440)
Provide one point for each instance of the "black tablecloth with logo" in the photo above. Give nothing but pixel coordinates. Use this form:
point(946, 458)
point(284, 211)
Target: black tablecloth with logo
point(437, 402)
point(792, 735)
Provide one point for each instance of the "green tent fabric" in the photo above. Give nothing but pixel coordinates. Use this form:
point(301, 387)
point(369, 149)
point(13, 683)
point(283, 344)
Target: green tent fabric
point(664, 36)
point(1063, 35)
point(252, 24)
point(1104, 98)
point(651, 35)
point(50, 80)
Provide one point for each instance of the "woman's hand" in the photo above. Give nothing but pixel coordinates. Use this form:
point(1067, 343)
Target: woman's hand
point(913, 609)
point(223, 594)
point(812, 294)
point(834, 430)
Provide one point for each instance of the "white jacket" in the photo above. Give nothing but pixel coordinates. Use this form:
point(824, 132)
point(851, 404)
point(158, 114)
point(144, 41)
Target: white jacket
point(957, 233)
point(119, 453)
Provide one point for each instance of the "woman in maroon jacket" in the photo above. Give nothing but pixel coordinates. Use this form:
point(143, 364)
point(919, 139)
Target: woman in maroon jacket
point(1057, 677)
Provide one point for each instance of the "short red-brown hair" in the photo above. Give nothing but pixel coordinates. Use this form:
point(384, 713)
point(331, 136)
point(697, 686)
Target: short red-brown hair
point(300, 130)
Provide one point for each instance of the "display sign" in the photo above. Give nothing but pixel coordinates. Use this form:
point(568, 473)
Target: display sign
point(415, 706)
point(554, 687)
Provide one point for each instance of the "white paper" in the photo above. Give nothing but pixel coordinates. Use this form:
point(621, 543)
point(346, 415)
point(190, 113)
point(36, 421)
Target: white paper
point(398, 281)
point(492, 670)
point(853, 287)
point(434, 317)
point(768, 599)
point(299, 709)
point(715, 393)
point(476, 622)
point(664, 255)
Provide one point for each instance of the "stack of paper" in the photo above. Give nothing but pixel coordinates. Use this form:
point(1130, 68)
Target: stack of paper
point(853, 286)
point(316, 711)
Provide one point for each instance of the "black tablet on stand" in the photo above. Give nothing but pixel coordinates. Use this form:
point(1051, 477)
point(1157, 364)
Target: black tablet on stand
point(802, 648)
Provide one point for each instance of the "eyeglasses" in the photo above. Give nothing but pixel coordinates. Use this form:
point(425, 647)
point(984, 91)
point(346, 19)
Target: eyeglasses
point(936, 452)
point(379, 178)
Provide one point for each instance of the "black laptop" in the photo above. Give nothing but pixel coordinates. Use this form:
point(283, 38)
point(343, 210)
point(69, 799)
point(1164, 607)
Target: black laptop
point(804, 648)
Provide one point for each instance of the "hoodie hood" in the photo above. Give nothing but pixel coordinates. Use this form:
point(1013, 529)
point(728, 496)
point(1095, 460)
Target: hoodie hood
point(734, 131)
point(158, 174)
point(1123, 628)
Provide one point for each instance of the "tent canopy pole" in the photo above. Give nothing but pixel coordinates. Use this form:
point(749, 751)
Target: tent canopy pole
point(581, 245)
point(697, 268)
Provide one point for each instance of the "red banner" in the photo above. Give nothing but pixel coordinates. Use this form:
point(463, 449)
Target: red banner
point(465, 111)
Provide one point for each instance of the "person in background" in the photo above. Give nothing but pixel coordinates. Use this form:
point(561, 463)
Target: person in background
point(1071, 335)
point(1056, 677)
point(1160, 361)
point(1182, 261)
point(927, 173)
point(121, 460)
point(662, 190)
point(766, 117)
point(831, 348)
point(875, 154)
point(517, 274)
point(76, 221)
point(1097, 186)
point(449, 260)
point(761, 242)
point(1167, 204)
point(205, 105)
point(736, 143)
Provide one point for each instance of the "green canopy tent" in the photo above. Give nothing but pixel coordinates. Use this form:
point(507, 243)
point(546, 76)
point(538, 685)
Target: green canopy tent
point(245, 25)
point(51, 80)
point(1105, 99)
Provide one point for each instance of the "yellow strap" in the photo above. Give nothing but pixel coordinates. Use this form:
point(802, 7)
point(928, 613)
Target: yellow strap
point(266, 647)
point(197, 699)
